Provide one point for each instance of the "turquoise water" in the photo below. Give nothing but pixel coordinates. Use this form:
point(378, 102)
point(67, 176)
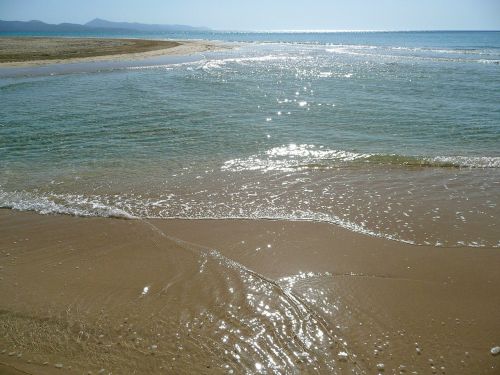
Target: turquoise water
point(461, 40)
point(390, 134)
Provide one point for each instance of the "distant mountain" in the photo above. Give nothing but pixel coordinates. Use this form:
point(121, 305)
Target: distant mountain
point(96, 25)
point(37, 26)
point(104, 24)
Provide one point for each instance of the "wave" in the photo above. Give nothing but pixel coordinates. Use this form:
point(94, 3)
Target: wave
point(66, 204)
point(437, 161)
point(305, 56)
point(101, 206)
point(418, 53)
point(304, 156)
point(489, 61)
point(458, 51)
point(215, 63)
point(172, 206)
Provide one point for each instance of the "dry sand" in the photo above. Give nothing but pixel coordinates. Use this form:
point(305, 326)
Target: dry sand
point(31, 51)
point(132, 296)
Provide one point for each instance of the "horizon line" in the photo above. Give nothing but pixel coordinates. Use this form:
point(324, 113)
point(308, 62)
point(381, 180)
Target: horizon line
point(354, 30)
point(298, 30)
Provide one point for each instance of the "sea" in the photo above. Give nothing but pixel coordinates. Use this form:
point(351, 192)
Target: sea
point(389, 134)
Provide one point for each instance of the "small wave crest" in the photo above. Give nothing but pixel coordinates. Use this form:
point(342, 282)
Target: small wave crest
point(304, 156)
point(173, 206)
point(131, 208)
point(218, 63)
point(483, 56)
point(100, 206)
point(467, 161)
point(489, 61)
point(74, 205)
point(290, 157)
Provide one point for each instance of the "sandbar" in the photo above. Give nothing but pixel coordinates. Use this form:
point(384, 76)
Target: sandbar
point(36, 51)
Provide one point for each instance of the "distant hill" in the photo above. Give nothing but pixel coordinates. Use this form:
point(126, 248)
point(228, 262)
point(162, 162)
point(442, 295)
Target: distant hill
point(104, 24)
point(96, 25)
point(34, 26)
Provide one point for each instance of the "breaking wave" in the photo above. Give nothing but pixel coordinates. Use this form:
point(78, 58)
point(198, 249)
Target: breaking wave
point(304, 156)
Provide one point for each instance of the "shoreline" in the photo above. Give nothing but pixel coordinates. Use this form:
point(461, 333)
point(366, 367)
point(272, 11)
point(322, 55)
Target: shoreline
point(323, 204)
point(99, 48)
point(72, 288)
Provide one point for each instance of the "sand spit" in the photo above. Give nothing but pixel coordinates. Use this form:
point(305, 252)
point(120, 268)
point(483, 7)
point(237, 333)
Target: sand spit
point(31, 51)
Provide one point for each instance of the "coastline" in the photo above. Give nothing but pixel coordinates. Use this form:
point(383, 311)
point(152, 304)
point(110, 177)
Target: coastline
point(100, 51)
point(150, 296)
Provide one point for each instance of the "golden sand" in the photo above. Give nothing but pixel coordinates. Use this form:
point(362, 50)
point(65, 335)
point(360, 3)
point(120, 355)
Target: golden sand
point(182, 297)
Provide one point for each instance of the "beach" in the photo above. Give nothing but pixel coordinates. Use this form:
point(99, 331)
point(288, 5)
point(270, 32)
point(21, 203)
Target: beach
point(36, 51)
point(306, 203)
point(175, 296)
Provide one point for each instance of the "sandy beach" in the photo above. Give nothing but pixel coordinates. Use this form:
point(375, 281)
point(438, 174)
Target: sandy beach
point(83, 295)
point(35, 51)
point(321, 205)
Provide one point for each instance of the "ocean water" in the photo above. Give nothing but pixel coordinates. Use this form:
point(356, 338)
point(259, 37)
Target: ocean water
point(391, 134)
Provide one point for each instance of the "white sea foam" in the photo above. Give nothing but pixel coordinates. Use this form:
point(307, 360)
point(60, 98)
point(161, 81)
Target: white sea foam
point(290, 157)
point(468, 161)
point(217, 63)
point(162, 66)
point(169, 207)
point(325, 74)
point(489, 61)
point(293, 157)
point(416, 53)
point(78, 205)
point(68, 204)
point(138, 207)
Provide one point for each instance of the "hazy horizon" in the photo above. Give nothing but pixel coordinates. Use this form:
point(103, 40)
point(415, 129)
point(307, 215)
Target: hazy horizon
point(259, 15)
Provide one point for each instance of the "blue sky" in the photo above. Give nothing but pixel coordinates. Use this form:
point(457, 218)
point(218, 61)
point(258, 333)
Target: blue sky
point(269, 14)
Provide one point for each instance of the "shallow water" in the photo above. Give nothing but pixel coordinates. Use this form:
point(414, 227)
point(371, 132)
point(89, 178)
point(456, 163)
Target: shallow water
point(238, 296)
point(390, 134)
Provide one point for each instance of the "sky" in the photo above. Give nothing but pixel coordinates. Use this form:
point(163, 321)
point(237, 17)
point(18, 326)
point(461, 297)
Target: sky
point(269, 14)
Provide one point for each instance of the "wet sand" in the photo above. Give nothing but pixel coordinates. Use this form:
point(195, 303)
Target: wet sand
point(31, 51)
point(238, 296)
